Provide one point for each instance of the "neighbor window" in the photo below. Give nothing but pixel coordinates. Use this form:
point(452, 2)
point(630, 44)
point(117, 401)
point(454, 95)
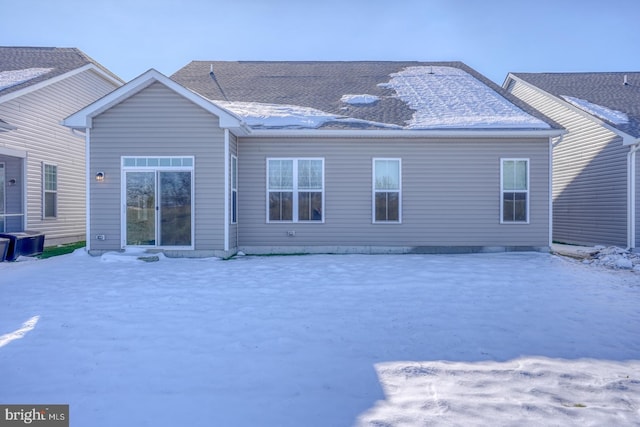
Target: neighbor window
point(234, 189)
point(295, 189)
point(387, 197)
point(49, 190)
point(515, 190)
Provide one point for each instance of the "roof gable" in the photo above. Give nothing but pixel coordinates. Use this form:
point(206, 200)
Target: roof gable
point(83, 119)
point(359, 95)
point(604, 96)
point(26, 68)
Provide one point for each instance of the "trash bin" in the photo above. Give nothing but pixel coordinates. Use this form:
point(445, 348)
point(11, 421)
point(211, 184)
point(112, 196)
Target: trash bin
point(26, 243)
point(4, 246)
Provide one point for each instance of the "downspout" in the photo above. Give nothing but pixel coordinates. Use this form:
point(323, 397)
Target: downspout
point(631, 197)
point(87, 199)
point(87, 172)
point(226, 190)
point(552, 144)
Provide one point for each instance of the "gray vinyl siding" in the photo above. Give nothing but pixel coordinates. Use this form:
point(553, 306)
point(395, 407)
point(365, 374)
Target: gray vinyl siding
point(451, 193)
point(157, 122)
point(37, 116)
point(233, 228)
point(589, 176)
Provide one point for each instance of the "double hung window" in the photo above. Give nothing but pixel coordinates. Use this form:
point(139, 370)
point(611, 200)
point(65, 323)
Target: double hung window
point(295, 189)
point(514, 176)
point(49, 190)
point(387, 188)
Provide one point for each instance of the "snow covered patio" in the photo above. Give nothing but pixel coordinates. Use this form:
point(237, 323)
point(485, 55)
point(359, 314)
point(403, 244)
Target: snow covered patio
point(323, 340)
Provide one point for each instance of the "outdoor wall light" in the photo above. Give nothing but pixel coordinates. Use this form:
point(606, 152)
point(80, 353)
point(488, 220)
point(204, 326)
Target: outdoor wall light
point(100, 176)
point(12, 181)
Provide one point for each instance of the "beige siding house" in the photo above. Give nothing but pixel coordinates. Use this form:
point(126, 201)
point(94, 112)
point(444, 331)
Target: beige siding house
point(42, 163)
point(293, 157)
point(595, 179)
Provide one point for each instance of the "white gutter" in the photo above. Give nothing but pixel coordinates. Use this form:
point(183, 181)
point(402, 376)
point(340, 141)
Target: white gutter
point(631, 196)
point(226, 189)
point(425, 133)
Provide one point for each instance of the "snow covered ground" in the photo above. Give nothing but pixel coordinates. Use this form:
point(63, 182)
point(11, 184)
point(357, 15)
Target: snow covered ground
point(325, 340)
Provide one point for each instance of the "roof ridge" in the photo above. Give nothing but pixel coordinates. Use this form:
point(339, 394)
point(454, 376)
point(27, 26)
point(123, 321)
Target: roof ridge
point(97, 64)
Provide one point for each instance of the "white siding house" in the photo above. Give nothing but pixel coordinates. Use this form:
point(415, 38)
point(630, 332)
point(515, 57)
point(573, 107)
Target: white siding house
point(42, 163)
point(291, 157)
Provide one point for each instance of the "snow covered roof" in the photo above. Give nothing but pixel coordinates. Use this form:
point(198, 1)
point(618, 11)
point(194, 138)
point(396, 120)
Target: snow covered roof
point(15, 77)
point(448, 97)
point(268, 116)
point(21, 67)
point(603, 95)
point(359, 95)
point(607, 114)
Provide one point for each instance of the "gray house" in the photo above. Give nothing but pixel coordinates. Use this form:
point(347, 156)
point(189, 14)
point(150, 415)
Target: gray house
point(290, 157)
point(595, 179)
point(42, 163)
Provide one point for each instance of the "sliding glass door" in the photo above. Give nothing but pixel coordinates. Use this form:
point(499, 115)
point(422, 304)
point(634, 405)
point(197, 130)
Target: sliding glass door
point(141, 208)
point(175, 208)
point(159, 207)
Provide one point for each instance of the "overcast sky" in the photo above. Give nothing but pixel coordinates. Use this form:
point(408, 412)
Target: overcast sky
point(492, 36)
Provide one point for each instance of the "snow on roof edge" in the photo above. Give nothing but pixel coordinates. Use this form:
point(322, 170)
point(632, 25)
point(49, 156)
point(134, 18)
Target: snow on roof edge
point(12, 78)
point(442, 97)
point(602, 112)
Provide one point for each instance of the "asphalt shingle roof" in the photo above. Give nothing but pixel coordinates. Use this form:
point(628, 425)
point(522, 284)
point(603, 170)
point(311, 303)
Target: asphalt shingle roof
point(60, 60)
point(605, 89)
point(319, 85)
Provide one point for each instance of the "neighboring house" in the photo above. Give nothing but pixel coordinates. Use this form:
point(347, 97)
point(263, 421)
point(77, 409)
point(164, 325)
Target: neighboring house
point(301, 157)
point(42, 163)
point(596, 195)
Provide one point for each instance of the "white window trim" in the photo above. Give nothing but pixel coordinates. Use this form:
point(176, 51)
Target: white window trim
point(45, 191)
point(374, 191)
point(295, 190)
point(123, 197)
point(234, 189)
point(502, 190)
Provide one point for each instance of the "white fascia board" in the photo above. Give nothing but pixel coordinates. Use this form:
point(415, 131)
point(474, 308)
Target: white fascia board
point(83, 118)
point(13, 153)
point(56, 79)
point(429, 133)
point(626, 138)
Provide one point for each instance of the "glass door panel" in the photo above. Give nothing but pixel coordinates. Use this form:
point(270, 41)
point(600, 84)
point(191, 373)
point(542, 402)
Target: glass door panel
point(141, 208)
point(175, 208)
